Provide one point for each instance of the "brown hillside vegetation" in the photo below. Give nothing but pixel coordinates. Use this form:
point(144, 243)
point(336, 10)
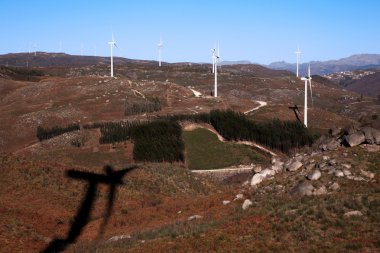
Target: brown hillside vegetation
point(164, 207)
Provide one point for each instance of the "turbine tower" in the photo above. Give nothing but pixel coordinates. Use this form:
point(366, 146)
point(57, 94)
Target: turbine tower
point(298, 53)
point(160, 45)
point(213, 50)
point(112, 45)
point(307, 80)
point(217, 60)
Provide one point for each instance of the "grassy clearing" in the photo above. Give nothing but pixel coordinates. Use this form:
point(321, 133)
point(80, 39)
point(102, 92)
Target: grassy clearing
point(205, 151)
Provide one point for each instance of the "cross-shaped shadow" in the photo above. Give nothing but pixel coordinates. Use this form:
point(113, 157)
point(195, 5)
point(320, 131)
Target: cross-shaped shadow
point(111, 178)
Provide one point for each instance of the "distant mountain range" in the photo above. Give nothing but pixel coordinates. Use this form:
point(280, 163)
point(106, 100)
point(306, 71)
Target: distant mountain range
point(354, 62)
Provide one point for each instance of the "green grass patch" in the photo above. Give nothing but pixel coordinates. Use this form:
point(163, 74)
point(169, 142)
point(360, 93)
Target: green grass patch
point(205, 151)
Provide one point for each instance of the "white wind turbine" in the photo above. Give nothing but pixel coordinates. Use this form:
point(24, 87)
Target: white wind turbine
point(217, 60)
point(112, 45)
point(307, 80)
point(213, 50)
point(160, 45)
point(298, 53)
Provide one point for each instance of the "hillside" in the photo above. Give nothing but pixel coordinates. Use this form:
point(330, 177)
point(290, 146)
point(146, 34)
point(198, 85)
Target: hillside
point(69, 134)
point(368, 85)
point(354, 62)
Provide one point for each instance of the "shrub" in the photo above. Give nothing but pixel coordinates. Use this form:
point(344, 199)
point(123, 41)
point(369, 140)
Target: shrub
point(158, 141)
point(148, 105)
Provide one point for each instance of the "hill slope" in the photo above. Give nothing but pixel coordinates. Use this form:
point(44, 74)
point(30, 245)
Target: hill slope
point(354, 62)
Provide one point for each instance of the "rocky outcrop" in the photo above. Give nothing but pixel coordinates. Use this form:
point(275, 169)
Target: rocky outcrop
point(294, 166)
point(354, 139)
point(314, 175)
point(351, 136)
point(246, 204)
point(302, 189)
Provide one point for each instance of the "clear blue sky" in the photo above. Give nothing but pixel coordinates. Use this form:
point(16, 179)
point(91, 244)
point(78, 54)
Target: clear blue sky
point(261, 31)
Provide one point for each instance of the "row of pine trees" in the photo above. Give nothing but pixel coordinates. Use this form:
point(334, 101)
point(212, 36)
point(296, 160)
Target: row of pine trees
point(161, 139)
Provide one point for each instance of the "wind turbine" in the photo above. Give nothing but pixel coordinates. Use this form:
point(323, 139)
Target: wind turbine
point(112, 45)
point(160, 45)
point(298, 53)
point(307, 80)
point(213, 50)
point(217, 60)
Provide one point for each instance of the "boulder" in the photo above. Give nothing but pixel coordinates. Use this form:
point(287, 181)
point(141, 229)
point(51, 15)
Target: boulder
point(195, 217)
point(246, 204)
point(314, 175)
point(310, 166)
point(118, 237)
point(346, 172)
point(339, 173)
point(332, 145)
point(238, 196)
point(294, 166)
point(257, 179)
point(376, 136)
point(335, 131)
point(367, 131)
point(368, 174)
point(353, 213)
point(346, 165)
point(320, 191)
point(257, 169)
point(354, 139)
point(334, 186)
point(226, 202)
point(302, 189)
point(267, 173)
point(276, 168)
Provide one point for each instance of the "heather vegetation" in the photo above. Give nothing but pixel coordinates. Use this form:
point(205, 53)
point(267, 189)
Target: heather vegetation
point(47, 133)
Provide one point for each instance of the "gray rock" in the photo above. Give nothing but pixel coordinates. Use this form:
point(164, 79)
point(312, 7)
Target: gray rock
point(321, 165)
point(294, 166)
point(353, 213)
point(257, 179)
point(314, 175)
point(367, 131)
point(277, 167)
point(332, 162)
point(310, 166)
point(354, 139)
point(346, 172)
point(376, 136)
point(368, 174)
point(334, 186)
point(331, 170)
point(346, 165)
point(246, 204)
point(257, 169)
point(226, 202)
point(339, 173)
point(335, 131)
point(332, 145)
point(320, 191)
point(118, 237)
point(302, 189)
point(267, 173)
point(195, 217)
point(325, 157)
point(239, 196)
